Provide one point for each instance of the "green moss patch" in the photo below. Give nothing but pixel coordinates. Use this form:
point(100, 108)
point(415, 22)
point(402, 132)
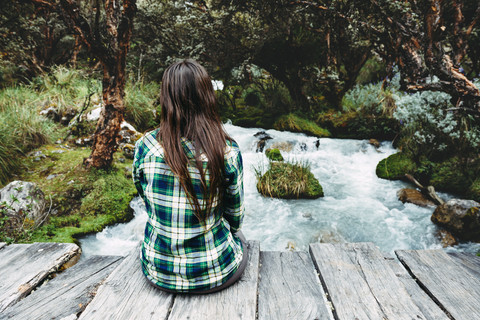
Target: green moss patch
point(395, 167)
point(294, 123)
point(80, 201)
point(289, 181)
point(474, 190)
point(274, 154)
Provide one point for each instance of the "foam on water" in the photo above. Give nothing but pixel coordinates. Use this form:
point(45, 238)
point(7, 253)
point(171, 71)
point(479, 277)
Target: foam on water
point(357, 205)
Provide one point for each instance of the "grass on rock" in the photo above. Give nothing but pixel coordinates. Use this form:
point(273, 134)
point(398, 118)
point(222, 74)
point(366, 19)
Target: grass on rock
point(288, 181)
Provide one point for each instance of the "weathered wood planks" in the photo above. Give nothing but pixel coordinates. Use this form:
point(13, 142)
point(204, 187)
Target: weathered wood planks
point(446, 280)
point(66, 294)
point(238, 301)
point(429, 308)
point(289, 288)
point(126, 294)
point(27, 265)
point(360, 283)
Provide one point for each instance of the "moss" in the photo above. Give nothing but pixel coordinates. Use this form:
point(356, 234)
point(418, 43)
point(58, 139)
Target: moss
point(448, 176)
point(81, 201)
point(474, 190)
point(294, 123)
point(274, 154)
point(289, 181)
point(395, 167)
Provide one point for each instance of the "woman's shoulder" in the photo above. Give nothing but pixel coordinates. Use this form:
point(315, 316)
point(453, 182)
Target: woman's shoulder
point(148, 145)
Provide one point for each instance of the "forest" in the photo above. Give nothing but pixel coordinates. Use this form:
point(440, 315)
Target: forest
point(380, 70)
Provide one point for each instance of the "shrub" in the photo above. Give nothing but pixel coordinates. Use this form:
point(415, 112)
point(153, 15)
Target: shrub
point(431, 130)
point(294, 123)
point(141, 105)
point(274, 154)
point(21, 129)
point(288, 181)
point(395, 167)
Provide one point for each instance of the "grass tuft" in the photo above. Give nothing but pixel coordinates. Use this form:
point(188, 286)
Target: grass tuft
point(288, 181)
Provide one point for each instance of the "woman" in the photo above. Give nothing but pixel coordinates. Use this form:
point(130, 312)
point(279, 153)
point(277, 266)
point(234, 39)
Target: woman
point(189, 173)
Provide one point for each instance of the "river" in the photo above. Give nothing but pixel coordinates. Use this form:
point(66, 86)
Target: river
point(357, 206)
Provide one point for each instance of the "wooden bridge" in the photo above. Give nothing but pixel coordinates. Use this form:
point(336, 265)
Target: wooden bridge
point(332, 281)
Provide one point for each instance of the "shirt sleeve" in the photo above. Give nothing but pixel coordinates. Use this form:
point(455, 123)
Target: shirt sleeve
point(137, 168)
point(233, 202)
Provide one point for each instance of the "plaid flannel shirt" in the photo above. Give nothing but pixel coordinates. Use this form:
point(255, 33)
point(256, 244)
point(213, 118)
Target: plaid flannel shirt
point(178, 252)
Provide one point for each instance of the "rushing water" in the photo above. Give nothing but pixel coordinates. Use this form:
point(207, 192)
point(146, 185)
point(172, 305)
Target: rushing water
point(357, 206)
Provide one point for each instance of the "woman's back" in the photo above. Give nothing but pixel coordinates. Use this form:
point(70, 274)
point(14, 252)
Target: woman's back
point(180, 252)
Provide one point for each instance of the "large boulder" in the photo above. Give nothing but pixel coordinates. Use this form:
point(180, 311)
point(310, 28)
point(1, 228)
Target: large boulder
point(23, 199)
point(414, 196)
point(461, 217)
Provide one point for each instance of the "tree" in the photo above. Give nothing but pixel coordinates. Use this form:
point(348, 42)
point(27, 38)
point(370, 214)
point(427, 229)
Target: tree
point(107, 38)
point(427, 38)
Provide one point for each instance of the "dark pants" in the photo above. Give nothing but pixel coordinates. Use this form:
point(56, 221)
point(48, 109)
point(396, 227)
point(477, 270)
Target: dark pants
point(231, 280)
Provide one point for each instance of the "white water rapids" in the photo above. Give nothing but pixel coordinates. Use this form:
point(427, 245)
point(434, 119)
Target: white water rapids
point(357, 206)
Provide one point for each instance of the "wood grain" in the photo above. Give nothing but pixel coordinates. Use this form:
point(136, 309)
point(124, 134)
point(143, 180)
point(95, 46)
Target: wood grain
point(27, 265)
point(238, 301)
point(360, 283)
point(429, 308)
point(66, 294)
point(289, 288)
point(127, 294)
point(448, 282)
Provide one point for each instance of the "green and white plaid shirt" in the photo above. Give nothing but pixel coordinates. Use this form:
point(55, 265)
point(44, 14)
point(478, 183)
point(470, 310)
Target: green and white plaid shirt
point(178, 252)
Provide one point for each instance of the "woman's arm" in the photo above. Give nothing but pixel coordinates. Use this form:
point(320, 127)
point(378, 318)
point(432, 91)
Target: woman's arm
point(233, 202)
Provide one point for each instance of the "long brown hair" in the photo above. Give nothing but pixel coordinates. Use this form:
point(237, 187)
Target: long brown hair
point(189, 110)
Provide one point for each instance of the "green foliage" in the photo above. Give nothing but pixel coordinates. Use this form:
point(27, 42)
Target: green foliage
point(110, 191)
point(448, 176)
point(83, 201)
point(21, 130)
point(395, 166)
point(141, 106)
point(474, 190)
point(274, 154)
point(288, 181)
point(294, 123)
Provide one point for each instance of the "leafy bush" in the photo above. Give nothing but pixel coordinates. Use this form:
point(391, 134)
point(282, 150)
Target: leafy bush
point(431, 130)
point(288, 181)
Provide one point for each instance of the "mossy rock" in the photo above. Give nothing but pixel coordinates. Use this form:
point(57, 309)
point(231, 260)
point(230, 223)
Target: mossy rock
point(83, 201)
point(289, 181)
point(274, 154)
point(294, 123)
point(395, 167)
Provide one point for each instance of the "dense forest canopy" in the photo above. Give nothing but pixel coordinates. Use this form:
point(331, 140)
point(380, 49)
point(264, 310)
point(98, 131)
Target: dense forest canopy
point(285, 55)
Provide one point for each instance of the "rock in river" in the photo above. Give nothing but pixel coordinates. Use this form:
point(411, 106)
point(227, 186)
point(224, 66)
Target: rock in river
point(414, 196)
point(461, 217)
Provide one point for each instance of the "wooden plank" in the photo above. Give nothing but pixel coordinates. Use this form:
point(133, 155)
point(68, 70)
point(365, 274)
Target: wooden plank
point(289, 288)
point(470, 261)
point(66, 294)
point(238, 301)
point(360, 283)
point(449, 283)
point(27, 265)
point(127, 294)
point(429, 308)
